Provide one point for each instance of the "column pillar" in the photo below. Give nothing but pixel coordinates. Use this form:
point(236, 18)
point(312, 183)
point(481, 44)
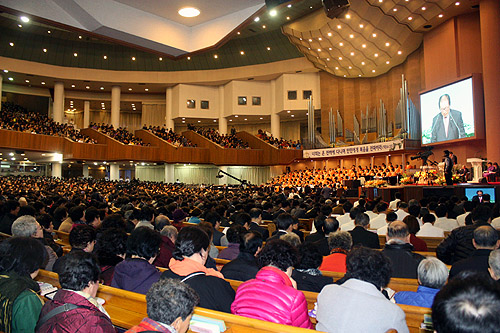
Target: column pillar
point(372, 159)
point(357, 162)
point(386, 160)
point(86, 114)
point(403, 162)
point(115, 106)
point(58, 108)
point(85, 170)
point(114, 172)
point(275, 117)
point(1, 80)
point(169, 122)
point(222, 119)
point(56, 169)
point(489, 11)
point(169, 173)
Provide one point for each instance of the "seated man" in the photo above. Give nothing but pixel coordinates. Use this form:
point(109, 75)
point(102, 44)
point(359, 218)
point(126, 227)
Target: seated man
point(170, 306)
point(362, 236)
point(82, 239)
point(340, 244)
point(428, 229)
point(432, 276)
point(358, 305)
point(389, 218)
point(443, 221)
point(245, 267)
point(485, 240)
point(79, 280)
point(494, 262)
point(329, 226)
point(400, 251)
point(469, 303)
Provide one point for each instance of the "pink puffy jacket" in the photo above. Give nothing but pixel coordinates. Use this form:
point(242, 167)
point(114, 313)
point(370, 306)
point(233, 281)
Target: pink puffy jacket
point(271, 297)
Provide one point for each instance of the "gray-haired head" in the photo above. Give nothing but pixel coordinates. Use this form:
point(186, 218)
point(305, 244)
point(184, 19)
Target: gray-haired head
point(24, 226)
point(494, 261)
point(340, 240)
point(291, 238)
point(169, 231)
point(161, 221)
point(432, 273)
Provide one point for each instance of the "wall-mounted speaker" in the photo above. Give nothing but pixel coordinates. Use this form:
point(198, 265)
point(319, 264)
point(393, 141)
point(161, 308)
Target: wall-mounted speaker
point(335, 8)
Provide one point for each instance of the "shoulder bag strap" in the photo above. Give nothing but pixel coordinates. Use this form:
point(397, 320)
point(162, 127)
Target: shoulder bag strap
point(54, 312)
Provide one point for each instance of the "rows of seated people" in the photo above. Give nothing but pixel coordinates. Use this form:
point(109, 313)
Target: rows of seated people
point(278, 143)
point(121, 134)
point(17, 118)
point(98, 217)
point(170, 136)
point(333, 177)
point(224, 140)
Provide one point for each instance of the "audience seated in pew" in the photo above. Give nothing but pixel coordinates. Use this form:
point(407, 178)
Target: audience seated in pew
point(136, 273)
point(432, 276)
point(389, 218)
point(11, 209)
point(413, 228)
point(187, 265)
point(120, 134)
point(170, 306)
point(306, 272)
point(428, 229)
point(233, 235)
point(272, 295)
point(224, 140)
point(75, 307)
point(340, 244)
point(468, 303)
point(245, 266)
point(82, 239)
point(358, 305)
point(20, 260)
point(110, 249)
point(46, 222)
point(360, 234)
point(168, 237)
point(170, 136)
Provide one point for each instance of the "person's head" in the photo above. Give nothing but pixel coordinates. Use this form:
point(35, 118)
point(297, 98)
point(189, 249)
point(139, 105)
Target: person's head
point(171, 302)
point(485, 237)
point(26, 226)
point(398, 230)
point(468, 303)
point(340, 240)
point(429, 218)
point(161, 221)
point(479, 192)
point(279, 254)
point(482, 213)
point(60, 214)
point(144, 243)
point(441, 211)
point(12, 207)
point(110, 243)
point(93, 217)
point(412, 224)
point(80, 272)
point(147, 214)
point(76, 213)
point(494, 262)
point(256, 215)
point(170, 232)
point(444, 105)
point(369, 265)
point(21, 255)
point(391, 217)
point(362, 220)
point(382, 207)
point(309, 256)
point(284, 222)
point(251, 243)
point(331, 224)
point(234, 233)
point(45, 221)
point(83, 237)
point(432, 273)
point(354, 212)
point(291, 238)
point(192, 242)
point(242, 219)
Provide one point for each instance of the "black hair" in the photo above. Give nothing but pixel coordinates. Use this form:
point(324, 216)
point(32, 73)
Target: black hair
point(22, 255)
point(397, 230)
point(147, 213)
point(354, 212)
point(110, 243)
point(76, 213)
point(468, 303)
point(113, 221)
point(242, 219)
point(77, 270)
point(235, 232)
point(26, 210)
point(362, 220)
point(169, 299)
point(441, 97)
point(278, 253)
point(331, 224)
point(45, 220)
point(309, 256)
point(91, 214)
point(190, 240)
point(369, 265)
point(412, 223)
point(391, 217)
point(59, 214)
point(255, 213)
point(429, 218)
point(251, 241)
point(10, 205)
point(414, 210)
point(486, 236)
point(481, 213)
point(143, 242)
point(284, 221)
point(441, 211)
point(212, 218)
point(81, 235)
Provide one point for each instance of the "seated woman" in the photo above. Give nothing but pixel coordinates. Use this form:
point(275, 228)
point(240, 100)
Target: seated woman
point(414, 227)
point(272, 295)
point(432, 276)
point(137, 273)
point(79, 279)
point(340, 244)
point(110, 249)
point(20, 261)
point(188, 264)
point(306, 272)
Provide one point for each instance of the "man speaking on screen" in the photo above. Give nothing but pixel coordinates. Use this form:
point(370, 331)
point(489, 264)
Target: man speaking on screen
point(448, 124)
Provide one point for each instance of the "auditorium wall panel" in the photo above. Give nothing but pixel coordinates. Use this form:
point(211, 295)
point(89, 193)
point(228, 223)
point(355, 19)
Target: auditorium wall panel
point(248, 89)
point(184, 92)
point(153, 114)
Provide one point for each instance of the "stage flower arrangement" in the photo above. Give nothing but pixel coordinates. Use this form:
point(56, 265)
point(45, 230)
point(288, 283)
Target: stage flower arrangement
point(405, 180)
point(376, 183)
point(440, 180)
point(426, 177)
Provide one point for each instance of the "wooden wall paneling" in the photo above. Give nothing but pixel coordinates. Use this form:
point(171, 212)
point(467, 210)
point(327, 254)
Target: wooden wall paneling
point(469, 45)
point(349, 104)
point(270, 154)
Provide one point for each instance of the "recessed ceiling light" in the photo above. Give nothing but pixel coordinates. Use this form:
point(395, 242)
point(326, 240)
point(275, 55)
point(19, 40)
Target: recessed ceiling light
point(320, 39)
point(361, 26)
point(341, 44)
point(216, 56)
point(376, 55)
point(319, 50)
point(49, 32)
point(457, 3)
point(75, 54)
point(27, 81)
point(336, 68)
point(42, 82)
point(261, 118)
point(340, 58)
point(264, 26)
point(387, 62)
point(374, 35)
point(289, 6)
point(339, 26)
point(5, 71)
point(246, 119)
point(345, 75)
point(11, 79)
point(24, 19)
point(327, 59)
point(238, 33)
point(363, 46)
point(273, 12)
point(269, 48)
point(11, 44)
point(129, 89)
point(394, 9)
point(329, 34)
point(87, 87)
point(189, 58)
point(230, 120)
point(189, 12)
point(102, 88)
point(310, 40)
point(351, 36)
point(72, 86)
point(363, 63)
point(236, 116)
point(410, 18)
point(400, 52)
point(373, 71)
point(133, 58)
point(387, 44)
point(242, 52)
point(146, 89)
point(257, 19)
point(20, 25)
point(352, 53)
point(199, 121)
point(288, 17)
point(348, 16)
point(160, 58)
point(45, 50)
point(424, 8)
point(440, 15)
point(350, 67)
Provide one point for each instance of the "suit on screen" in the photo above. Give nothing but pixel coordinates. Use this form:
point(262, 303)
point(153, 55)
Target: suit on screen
point(456, 128)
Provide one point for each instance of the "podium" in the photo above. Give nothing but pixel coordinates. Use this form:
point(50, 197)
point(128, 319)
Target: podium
point(477, 167)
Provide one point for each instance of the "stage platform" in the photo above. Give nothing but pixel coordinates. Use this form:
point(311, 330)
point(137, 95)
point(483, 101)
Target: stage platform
point(418, 192)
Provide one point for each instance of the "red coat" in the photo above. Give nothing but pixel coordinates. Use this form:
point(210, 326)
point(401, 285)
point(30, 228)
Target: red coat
point(271, 297)
point(335, 262)
point(166, 249)
point(88, 318)
point(418, 244)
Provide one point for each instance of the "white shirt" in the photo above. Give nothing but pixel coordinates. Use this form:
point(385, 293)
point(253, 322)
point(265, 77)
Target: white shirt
point(382, 230)
point(461, 219)
point(401, 214)
point(371, 214)
point(347, 226)
point(343, 219)
point(428, 230)
point(379, 221)
point(394, 204)
point(446, 123)
point(446, 224)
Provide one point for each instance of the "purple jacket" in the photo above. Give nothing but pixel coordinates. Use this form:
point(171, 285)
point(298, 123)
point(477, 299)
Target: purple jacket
point(231, 252)
point(166, 249)
point(87, 318)
point(135, 275)
point(271, 297)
